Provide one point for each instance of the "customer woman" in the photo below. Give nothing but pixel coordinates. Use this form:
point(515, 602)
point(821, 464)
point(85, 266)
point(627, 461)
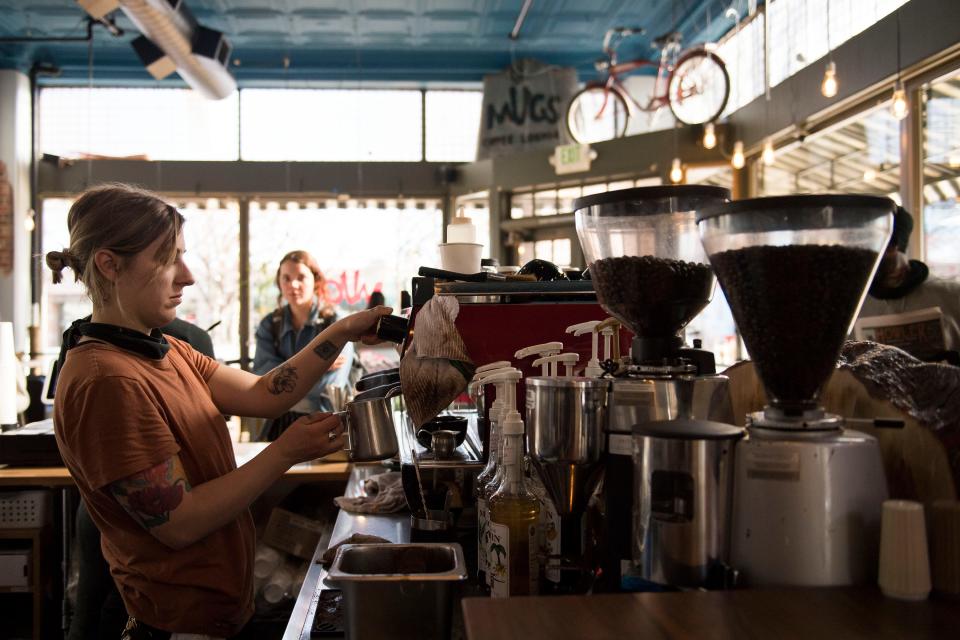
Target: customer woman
point(302, 314)
point(139, 422)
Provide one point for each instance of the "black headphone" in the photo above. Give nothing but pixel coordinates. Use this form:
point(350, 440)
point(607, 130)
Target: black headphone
point(153, 346)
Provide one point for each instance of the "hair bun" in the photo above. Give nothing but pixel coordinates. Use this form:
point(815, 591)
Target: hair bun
point(57, 261)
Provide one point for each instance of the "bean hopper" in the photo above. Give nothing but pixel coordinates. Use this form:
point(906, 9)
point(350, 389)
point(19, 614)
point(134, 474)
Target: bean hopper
point(807, 491)
point(650, 272)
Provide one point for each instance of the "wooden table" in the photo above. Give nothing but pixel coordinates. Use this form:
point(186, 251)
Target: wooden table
point(60, 477)
point(818, 614)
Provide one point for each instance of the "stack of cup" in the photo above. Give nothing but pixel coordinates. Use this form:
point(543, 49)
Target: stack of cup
point(461, 252)
point(904, 562)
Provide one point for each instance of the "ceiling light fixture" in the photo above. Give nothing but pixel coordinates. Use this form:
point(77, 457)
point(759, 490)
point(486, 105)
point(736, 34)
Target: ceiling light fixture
point(830, 85)
point(899, 107)
point(738, 160)
point(709, 136)
point(676, 171)
point(769, 155)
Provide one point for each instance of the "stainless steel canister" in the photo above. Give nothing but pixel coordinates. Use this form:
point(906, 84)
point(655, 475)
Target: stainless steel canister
point(565, 422)
point(683, 501)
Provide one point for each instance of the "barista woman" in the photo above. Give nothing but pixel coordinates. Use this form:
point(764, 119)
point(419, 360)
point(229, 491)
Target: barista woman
point(138, 422)
point(291, 327)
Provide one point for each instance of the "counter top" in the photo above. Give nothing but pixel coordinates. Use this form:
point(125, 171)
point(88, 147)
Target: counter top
point(842, 612)
point(393, 527)
point(244, 451)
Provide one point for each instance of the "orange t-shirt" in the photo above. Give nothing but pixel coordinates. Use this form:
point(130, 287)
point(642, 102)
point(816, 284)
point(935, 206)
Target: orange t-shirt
point(118, 413)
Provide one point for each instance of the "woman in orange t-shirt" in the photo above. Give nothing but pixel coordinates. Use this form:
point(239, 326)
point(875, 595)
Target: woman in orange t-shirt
point(139, 421)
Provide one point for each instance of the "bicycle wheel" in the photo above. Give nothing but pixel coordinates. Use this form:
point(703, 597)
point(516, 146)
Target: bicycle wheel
point(595, 114)
point(699, 87)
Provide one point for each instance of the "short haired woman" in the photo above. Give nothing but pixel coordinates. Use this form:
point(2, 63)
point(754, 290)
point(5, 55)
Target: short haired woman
point(139, 422)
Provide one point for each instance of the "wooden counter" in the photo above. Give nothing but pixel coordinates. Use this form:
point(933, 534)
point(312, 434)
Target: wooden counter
point(316, 470)
point(819, 614)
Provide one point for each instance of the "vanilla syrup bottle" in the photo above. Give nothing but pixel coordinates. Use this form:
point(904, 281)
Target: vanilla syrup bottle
point(514, 515)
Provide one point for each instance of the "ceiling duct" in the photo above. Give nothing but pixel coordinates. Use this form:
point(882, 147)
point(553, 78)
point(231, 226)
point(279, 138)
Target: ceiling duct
point(172, 40)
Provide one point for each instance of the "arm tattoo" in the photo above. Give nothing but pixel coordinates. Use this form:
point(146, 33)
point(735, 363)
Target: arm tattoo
point(326, 350)
point(150, 496)
point(284, 380)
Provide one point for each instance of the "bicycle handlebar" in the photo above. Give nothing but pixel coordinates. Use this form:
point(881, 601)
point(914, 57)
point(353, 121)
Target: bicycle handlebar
point(621, 33)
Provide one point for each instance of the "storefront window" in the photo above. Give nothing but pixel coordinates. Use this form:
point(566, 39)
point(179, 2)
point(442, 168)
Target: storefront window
point(65, 302)
point(941, 191)
point(211, 235)
point(360, 248)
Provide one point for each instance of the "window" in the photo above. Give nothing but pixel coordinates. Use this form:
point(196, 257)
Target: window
point(65, 302)
point(453, 122)
point(212, 235)
point(360, 248)
point(798, 36)
point(329, 125)
point(941, 190)
point(157, 124)
point(799, 29)
point(743, 54)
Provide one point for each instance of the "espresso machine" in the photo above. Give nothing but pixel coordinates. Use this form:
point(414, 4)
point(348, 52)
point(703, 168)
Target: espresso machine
point(807, 491)
point(651, 273)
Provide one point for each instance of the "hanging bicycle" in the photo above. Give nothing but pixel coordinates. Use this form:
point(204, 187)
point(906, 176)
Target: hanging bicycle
point(693, 83)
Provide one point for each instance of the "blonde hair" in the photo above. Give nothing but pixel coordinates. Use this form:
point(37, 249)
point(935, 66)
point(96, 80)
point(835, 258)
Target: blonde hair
point(122, 219)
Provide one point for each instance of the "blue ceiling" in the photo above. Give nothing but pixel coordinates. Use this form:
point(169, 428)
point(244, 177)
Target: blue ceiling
point(419, 41)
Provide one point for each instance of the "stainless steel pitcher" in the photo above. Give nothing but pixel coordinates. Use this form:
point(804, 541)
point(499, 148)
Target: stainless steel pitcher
point(369, 428)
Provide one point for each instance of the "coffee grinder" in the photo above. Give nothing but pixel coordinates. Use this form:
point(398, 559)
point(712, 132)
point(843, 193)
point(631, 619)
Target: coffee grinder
point(650, 272)
point(807, 491)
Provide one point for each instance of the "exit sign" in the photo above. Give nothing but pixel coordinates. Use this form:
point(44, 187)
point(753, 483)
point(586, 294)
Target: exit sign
point(572, 158)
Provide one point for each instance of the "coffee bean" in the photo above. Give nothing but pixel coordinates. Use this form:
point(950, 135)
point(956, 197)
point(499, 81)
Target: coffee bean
point(654, 297)
point(793, 306)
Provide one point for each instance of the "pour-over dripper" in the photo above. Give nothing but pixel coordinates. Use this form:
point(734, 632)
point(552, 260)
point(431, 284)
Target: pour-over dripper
point(795, 270)
point(646, 261)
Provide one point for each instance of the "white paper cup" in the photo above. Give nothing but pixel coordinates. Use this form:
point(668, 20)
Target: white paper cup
point(460, 257)
point(904, 561)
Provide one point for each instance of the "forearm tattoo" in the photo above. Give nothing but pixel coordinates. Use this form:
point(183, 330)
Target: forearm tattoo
point(150, 496)
point(326, 350)
point(284, 380)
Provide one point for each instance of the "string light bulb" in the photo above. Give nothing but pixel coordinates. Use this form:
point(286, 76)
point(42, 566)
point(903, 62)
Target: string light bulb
point(676, 171)
point(738, 160)
point(899, 107)
point(709, 136)
point(769, 155)
point(29, 224)
point(830, 85)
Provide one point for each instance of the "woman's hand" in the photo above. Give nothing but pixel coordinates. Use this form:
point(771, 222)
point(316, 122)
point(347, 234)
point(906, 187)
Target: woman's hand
point(362, 325)
point(311, 437)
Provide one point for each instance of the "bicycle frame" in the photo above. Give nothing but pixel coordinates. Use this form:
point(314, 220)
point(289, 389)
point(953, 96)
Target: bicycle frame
point(614, 69)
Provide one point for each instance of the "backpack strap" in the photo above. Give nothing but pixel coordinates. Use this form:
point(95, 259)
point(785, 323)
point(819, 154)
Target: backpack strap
point(276, 324)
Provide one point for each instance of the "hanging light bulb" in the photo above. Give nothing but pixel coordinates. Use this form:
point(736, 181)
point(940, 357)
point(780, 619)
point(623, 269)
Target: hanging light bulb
point(709, 136)
point(676, 171)
point(769, 155)
point(899, 107)
point(830, 85)
point(29, 224)
point(738, 160)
